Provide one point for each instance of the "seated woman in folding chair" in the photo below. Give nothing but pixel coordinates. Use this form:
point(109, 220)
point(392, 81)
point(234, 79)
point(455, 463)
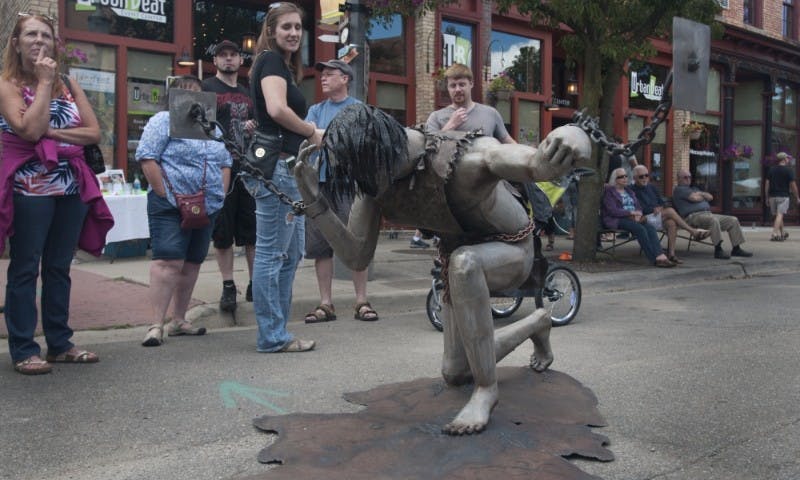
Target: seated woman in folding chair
point(659, 216)
point(621, 211)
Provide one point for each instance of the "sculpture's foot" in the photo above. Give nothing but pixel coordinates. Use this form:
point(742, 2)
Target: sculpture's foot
point(475, 414)
point(542, 353)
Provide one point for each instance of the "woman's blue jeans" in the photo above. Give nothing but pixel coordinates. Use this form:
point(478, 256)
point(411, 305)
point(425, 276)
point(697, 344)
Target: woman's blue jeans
point(280, 245)
point(46, 230)
point(646, 235)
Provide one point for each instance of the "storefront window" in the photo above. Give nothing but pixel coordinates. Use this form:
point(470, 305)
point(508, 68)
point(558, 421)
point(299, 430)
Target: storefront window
point(144, 19)
point(147, 74)
point(216, 21)
point(387, 46)
point(456, 43)
point(748, 114)
point(529, 122)
point(646, 85)
point(704, 156)
point(391, 98)
point(97, 76)
point(518, 57)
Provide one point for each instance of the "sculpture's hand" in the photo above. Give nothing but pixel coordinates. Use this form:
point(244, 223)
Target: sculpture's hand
point(307, 176)
point(565, 146)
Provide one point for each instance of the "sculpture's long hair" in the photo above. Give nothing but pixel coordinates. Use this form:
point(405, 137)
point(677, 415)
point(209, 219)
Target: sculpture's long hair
point(365, 145)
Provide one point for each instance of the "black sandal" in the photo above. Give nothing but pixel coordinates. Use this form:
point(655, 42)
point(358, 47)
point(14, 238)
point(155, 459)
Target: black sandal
point(368, 315)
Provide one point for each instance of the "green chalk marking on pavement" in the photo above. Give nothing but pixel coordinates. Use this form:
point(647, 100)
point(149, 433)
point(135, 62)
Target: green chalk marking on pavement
point(228, 390)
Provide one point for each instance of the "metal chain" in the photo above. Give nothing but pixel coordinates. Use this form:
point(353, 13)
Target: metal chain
point(199, 115)
point(591, 126)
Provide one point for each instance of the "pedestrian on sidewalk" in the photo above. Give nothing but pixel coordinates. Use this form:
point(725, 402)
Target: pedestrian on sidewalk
point(779, 184)
point(335, 78)
point(237, 219)
point(50, 203)
point(178, 166)
point(280, 233)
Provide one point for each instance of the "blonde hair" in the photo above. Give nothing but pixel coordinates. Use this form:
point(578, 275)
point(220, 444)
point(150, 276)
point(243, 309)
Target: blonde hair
point(458, 71)
point(266, 40)
point(12, 60)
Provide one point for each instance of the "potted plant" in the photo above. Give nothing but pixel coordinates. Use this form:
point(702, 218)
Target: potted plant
point(439, 79)
point(693, 130)
point(69, 54)
point(501, 86)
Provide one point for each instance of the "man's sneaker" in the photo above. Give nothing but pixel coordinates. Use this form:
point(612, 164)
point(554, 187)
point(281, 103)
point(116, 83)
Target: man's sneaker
point(419, 243)
point(739, 252)
point(249, 294)
point(227, 303)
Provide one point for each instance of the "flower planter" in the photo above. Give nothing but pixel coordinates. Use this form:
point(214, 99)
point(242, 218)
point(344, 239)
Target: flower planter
point(502, 94)
point(695, 135)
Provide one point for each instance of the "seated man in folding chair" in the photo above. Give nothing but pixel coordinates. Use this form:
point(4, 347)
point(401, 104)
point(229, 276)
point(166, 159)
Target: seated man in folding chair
point(659, 216)
point(692, 204)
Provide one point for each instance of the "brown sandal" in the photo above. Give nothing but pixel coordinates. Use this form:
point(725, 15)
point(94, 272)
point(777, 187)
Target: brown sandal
point(33, 365)
point(328, 314)
point(365, 312)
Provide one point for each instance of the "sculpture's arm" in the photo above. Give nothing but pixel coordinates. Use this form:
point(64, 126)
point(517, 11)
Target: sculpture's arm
point(556, 155)
point(355, 243)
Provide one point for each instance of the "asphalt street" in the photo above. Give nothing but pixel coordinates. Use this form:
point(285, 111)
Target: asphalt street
point(696, 381)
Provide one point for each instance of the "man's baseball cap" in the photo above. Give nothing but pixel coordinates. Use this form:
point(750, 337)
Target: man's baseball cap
point(343, 67)
point(782, 156)
point(223, 45)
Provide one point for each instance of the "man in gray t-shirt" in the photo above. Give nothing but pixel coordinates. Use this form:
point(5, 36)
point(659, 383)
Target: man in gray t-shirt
point(463, 114)
point(692, 204)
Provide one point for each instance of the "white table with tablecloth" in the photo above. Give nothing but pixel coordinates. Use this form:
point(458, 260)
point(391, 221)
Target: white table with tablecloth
point(130, 217)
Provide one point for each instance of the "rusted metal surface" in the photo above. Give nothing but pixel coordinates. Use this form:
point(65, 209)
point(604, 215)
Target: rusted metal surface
point(540, 419)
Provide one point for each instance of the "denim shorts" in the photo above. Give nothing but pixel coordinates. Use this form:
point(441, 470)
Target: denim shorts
point(168, 240)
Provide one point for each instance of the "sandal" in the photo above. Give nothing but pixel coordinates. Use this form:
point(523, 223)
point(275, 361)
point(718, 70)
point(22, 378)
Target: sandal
point(328, 314)
point(184, 328)
point(154, 336)
point(674, 259)
point(701, 234)
point(297, 345)
point(776, 238)
point(365, 312)
point(664, 263)
point(73, 355)
point(33, 365)
point(785, 235)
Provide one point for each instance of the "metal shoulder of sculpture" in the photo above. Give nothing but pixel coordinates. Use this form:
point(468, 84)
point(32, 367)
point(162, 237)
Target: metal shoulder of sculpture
point(484, 230)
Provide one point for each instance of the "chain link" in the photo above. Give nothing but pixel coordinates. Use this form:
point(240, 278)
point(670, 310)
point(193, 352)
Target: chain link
point(199, 116)
point(591, 126)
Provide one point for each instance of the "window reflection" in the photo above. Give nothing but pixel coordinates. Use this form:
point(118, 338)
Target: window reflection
point(519, 58)
point(456, 43)
point(387, 46)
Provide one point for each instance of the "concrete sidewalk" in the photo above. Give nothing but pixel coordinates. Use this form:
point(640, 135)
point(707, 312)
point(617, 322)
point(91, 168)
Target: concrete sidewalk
point(114, 294)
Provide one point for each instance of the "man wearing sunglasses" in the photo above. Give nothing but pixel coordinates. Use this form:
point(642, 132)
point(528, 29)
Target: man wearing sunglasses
point(660, 216)
point(692, 204)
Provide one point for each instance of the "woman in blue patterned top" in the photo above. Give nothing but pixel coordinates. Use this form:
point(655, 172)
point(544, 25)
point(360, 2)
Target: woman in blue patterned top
point(178, 253)
point(50, 203)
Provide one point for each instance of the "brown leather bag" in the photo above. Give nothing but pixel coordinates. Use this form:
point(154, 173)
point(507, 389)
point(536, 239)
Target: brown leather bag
point(192, 206)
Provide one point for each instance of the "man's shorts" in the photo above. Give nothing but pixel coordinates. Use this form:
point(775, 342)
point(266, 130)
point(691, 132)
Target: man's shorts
point(316, 244)
point(168, 240)
point(779, 205)
point(237, 219)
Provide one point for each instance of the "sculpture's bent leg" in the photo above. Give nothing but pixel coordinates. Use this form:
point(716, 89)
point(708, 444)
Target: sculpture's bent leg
point(470, 336)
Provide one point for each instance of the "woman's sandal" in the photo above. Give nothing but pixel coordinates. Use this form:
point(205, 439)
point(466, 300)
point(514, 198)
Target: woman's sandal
point(364, 312)
point(154, 336)
point(74, 355)
point(785, 235)
point(674, 259)
point(776, 238)
point(297, 345)
point(701, 234)
point(323, 313)
point(33, 365)
point(184, 328)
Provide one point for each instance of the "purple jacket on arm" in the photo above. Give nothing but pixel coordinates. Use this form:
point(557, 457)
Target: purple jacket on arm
point(17, 151)
point(611, 210)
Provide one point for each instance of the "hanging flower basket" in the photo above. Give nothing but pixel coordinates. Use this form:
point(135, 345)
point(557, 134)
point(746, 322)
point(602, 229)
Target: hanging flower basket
point(501, 87)
point(693, 130)
point(735, 151)
point(502, 94)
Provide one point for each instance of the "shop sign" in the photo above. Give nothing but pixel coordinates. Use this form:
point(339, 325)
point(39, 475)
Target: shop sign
point(646, 85)
point(147, 10)
point(456, 50)
point(94, 80)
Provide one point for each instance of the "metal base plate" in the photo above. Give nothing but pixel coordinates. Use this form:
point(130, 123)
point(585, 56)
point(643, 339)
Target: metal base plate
point(539, 420)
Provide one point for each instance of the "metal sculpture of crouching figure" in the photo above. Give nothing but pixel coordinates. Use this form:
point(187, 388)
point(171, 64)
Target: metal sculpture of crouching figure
point(455, 185)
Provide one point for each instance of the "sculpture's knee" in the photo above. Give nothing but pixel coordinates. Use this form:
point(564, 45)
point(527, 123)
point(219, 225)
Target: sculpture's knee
point(463, 264)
